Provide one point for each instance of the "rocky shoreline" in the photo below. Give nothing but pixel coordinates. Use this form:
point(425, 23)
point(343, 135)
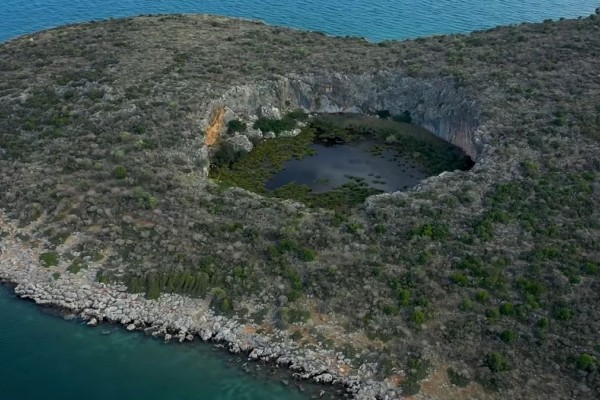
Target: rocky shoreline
point(175, 317)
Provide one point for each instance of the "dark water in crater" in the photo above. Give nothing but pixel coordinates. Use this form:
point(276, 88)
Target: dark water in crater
point(336, 165)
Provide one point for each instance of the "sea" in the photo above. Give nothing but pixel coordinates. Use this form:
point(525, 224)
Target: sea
point(44, 356)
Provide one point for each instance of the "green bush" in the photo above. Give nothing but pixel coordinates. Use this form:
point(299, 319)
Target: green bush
point(306, 255)
point(482, 296)
point(292, 315)
point(403, 296)
point(418, 317)
point(563, 313)
point(120, 172)
point(235, 125)
point(49, 259)
point(585, 362)
point(509, 336)
point(297, 114)
point(507, 309)
point(459, 279)
point(221, 301)
point(391, 309)
point(410, 387)
point(76, 265)
point(496, 362)
point(274, 125)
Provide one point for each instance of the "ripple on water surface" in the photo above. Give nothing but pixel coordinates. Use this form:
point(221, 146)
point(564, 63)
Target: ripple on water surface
point(373, 19)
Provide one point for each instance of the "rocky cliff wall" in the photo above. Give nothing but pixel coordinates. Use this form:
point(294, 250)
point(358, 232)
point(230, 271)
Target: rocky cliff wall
point(439, 106)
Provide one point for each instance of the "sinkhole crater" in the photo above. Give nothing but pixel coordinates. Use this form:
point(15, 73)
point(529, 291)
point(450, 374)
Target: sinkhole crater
point(331, 160)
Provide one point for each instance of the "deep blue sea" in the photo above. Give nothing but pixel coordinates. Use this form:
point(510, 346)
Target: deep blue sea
point(373, 19)
point(45, 357)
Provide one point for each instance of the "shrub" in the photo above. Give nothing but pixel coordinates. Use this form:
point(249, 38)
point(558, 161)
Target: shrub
point(496, 362)
point(306, 255)
point(585, 362)
point(492, 313)
point(120, 172)
point(49, 259)
point(221, 301)
point(56, 275)
point(226, 155)
point(152, 287)
point(76, 266)
point(507, 309)
point(380, 229)
point(95, 94)
point(403, 296)
point(391, 309)
point(543, 323)
point(563, 313)
point(410, 387)
point(466, 305)
point(236, 125)
point(482, 296)
point(297, 335)
point(287, 315)
point(418, 317)
point(274, 125)
point(509, 336)
point(435, 231)
point(459, 279)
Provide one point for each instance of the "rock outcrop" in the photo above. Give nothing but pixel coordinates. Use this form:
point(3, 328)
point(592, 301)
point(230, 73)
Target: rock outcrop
point(439, 106)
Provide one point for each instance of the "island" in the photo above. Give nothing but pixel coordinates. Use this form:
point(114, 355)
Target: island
point(131, 192)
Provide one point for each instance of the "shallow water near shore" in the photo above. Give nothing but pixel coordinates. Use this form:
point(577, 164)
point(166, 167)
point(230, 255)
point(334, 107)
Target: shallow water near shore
point(375, 19)
point(46, 357)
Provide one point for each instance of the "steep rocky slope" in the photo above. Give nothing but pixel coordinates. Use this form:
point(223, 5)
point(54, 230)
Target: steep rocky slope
point(486, 279)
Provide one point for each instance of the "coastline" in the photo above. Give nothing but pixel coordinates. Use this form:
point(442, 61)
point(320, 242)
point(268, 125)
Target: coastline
point(174, 318)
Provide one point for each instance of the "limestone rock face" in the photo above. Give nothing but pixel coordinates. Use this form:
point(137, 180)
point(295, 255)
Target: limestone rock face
point(241, 143)
point(269, 112)
point(437, 105)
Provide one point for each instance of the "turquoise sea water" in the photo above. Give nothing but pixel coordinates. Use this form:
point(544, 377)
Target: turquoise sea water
point(43, 357)
point(372, 19)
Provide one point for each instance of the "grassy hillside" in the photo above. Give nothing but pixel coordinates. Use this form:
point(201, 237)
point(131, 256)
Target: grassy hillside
point(490, 276)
